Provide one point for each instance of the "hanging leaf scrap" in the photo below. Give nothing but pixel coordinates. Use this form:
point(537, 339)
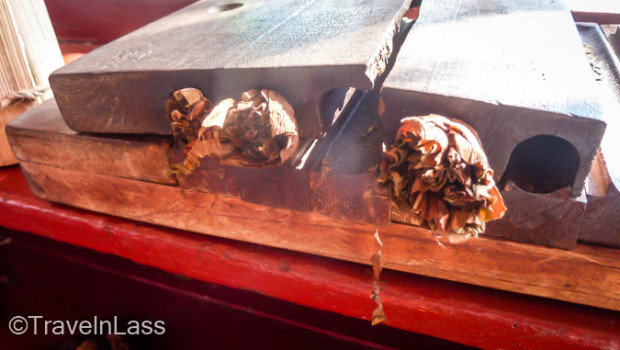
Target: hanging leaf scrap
point(439, 176)
point(257, 130)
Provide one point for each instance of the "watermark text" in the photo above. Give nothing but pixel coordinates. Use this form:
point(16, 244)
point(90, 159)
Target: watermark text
point(36, 325)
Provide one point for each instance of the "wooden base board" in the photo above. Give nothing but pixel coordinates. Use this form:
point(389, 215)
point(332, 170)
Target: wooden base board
point(41, 136)
point(586, 275)
point(602, 219)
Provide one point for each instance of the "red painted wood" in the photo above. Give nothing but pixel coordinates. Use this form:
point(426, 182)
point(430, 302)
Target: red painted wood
point(44, 274)
point(596, 17)
point(103, 21)
point(467, 314)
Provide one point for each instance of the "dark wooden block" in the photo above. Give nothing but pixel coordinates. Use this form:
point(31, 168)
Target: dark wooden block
point(511, 69)
point(602, 219)
point(298, 49)
point(553, 219)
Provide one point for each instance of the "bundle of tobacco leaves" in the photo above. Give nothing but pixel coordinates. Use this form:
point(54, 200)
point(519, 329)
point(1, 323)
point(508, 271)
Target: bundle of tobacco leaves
point(185, 110)
point(257, 130)
point(438, 175)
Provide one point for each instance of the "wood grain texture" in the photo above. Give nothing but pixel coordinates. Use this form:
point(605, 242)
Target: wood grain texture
point(552, 219)
point(349, 197)
point(512, 70)
point(586, 275)
point(281, 187)
point(602, 219)
point(195, 211)
point(209, 177)
point(41, 136)
point(299, 50)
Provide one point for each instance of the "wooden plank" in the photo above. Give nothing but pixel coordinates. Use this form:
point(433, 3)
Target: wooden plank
point(602, 220)
point(213, 214)
point(41, 136)
point(280, 187)
point(512, 70)
point(552, 220)
point(480, 317)
point(299, 50)
point(349, 197)
point(601, 216)
point(586, 275)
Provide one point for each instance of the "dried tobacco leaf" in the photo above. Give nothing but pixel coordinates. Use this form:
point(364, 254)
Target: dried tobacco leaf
point(185, 110)
point(256, 131)
point(439, 175)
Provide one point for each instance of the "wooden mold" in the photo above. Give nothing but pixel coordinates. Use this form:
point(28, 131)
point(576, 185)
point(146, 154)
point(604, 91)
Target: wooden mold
point(311, 53)
point(516, 72)
point(602, 222)
point(41, 136)
point(103, 178)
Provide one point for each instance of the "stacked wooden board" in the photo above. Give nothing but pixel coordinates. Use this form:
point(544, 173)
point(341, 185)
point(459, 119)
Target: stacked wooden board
point(84, 151)
point(501, 66)
point(604, 179)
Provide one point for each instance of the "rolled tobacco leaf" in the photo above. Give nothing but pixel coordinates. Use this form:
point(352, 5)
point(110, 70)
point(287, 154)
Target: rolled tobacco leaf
point(439, 176)
point(257, 130)
point(185, 110)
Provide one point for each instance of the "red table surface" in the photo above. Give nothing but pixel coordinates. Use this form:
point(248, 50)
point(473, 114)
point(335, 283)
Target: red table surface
point(457, 312)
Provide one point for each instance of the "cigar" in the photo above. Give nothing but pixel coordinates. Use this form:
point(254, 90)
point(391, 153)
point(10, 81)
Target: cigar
point(255, 131)
point(439, 177)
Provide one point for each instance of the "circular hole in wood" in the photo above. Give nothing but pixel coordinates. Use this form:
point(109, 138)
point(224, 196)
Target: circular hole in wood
point(542, 164)
point(224, 7)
